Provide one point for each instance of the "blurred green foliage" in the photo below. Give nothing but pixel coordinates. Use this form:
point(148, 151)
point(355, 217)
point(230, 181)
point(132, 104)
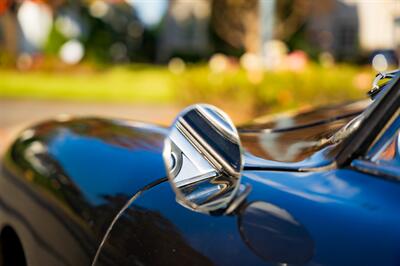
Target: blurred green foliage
point(235, 88)
point(115, 85)
point(273, 91)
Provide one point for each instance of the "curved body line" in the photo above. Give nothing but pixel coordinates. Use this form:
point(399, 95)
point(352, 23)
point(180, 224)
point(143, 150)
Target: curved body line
point(126, 206)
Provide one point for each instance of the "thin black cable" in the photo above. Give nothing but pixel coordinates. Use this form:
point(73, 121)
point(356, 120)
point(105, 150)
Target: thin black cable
point(126, 206)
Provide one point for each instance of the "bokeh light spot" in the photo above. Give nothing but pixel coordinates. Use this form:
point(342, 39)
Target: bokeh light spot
point(72, 52)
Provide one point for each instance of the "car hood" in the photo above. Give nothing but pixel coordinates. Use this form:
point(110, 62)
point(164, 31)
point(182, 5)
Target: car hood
point(296, 140)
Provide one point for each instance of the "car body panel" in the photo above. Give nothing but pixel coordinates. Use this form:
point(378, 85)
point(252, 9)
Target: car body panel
point(351, 219)
point(64, 181)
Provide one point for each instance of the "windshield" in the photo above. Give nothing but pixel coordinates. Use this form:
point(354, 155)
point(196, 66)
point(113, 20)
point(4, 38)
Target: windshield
point(310, 134)
point(296, 137)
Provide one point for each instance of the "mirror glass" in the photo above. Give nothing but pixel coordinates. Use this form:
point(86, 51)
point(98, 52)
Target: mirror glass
point(203, 158)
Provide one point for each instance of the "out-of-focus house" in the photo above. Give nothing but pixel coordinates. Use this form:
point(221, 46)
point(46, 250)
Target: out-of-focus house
point(333, 26)
point(397, 34)
point(185, 30)
point(379, 24)
point(343, 27)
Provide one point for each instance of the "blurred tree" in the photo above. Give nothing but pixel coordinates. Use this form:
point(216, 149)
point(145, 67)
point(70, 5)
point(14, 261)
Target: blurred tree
point(292, 16)
point(236, 23)
point(109, 30)
point(4, 6)
point(291, 26)
point(8, 29)
point(319, 26)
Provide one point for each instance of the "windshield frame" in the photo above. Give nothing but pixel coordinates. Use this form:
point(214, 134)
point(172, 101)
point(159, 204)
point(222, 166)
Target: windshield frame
point(353, 145)
point(376, 117)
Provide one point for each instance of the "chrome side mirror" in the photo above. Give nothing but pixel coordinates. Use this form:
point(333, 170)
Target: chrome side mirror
point(203, 158)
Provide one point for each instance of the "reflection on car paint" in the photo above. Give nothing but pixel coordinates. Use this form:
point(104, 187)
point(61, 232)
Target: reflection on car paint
point(274, 234)
point(76, 174)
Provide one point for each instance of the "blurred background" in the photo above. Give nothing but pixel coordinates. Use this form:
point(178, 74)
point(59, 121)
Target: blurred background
point(146, 59)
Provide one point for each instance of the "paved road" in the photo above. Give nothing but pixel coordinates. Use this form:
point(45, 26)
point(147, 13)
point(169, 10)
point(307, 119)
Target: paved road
point(17, 114)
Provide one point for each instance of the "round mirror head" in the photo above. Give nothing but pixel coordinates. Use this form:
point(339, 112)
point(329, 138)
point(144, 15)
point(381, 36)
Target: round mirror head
point(203, 158)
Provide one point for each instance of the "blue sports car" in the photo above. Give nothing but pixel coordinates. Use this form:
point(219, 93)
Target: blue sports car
point(317, 187)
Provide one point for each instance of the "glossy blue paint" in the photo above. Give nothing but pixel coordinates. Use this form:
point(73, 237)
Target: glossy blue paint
point(274, 234)
point(62, 183)
point(101, 170)
point(351, 218)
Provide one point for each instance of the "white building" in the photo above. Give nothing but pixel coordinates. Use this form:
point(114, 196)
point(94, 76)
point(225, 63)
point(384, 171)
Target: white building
point(379, 23)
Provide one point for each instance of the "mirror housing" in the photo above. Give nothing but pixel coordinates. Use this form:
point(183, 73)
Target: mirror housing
point(203, 158)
